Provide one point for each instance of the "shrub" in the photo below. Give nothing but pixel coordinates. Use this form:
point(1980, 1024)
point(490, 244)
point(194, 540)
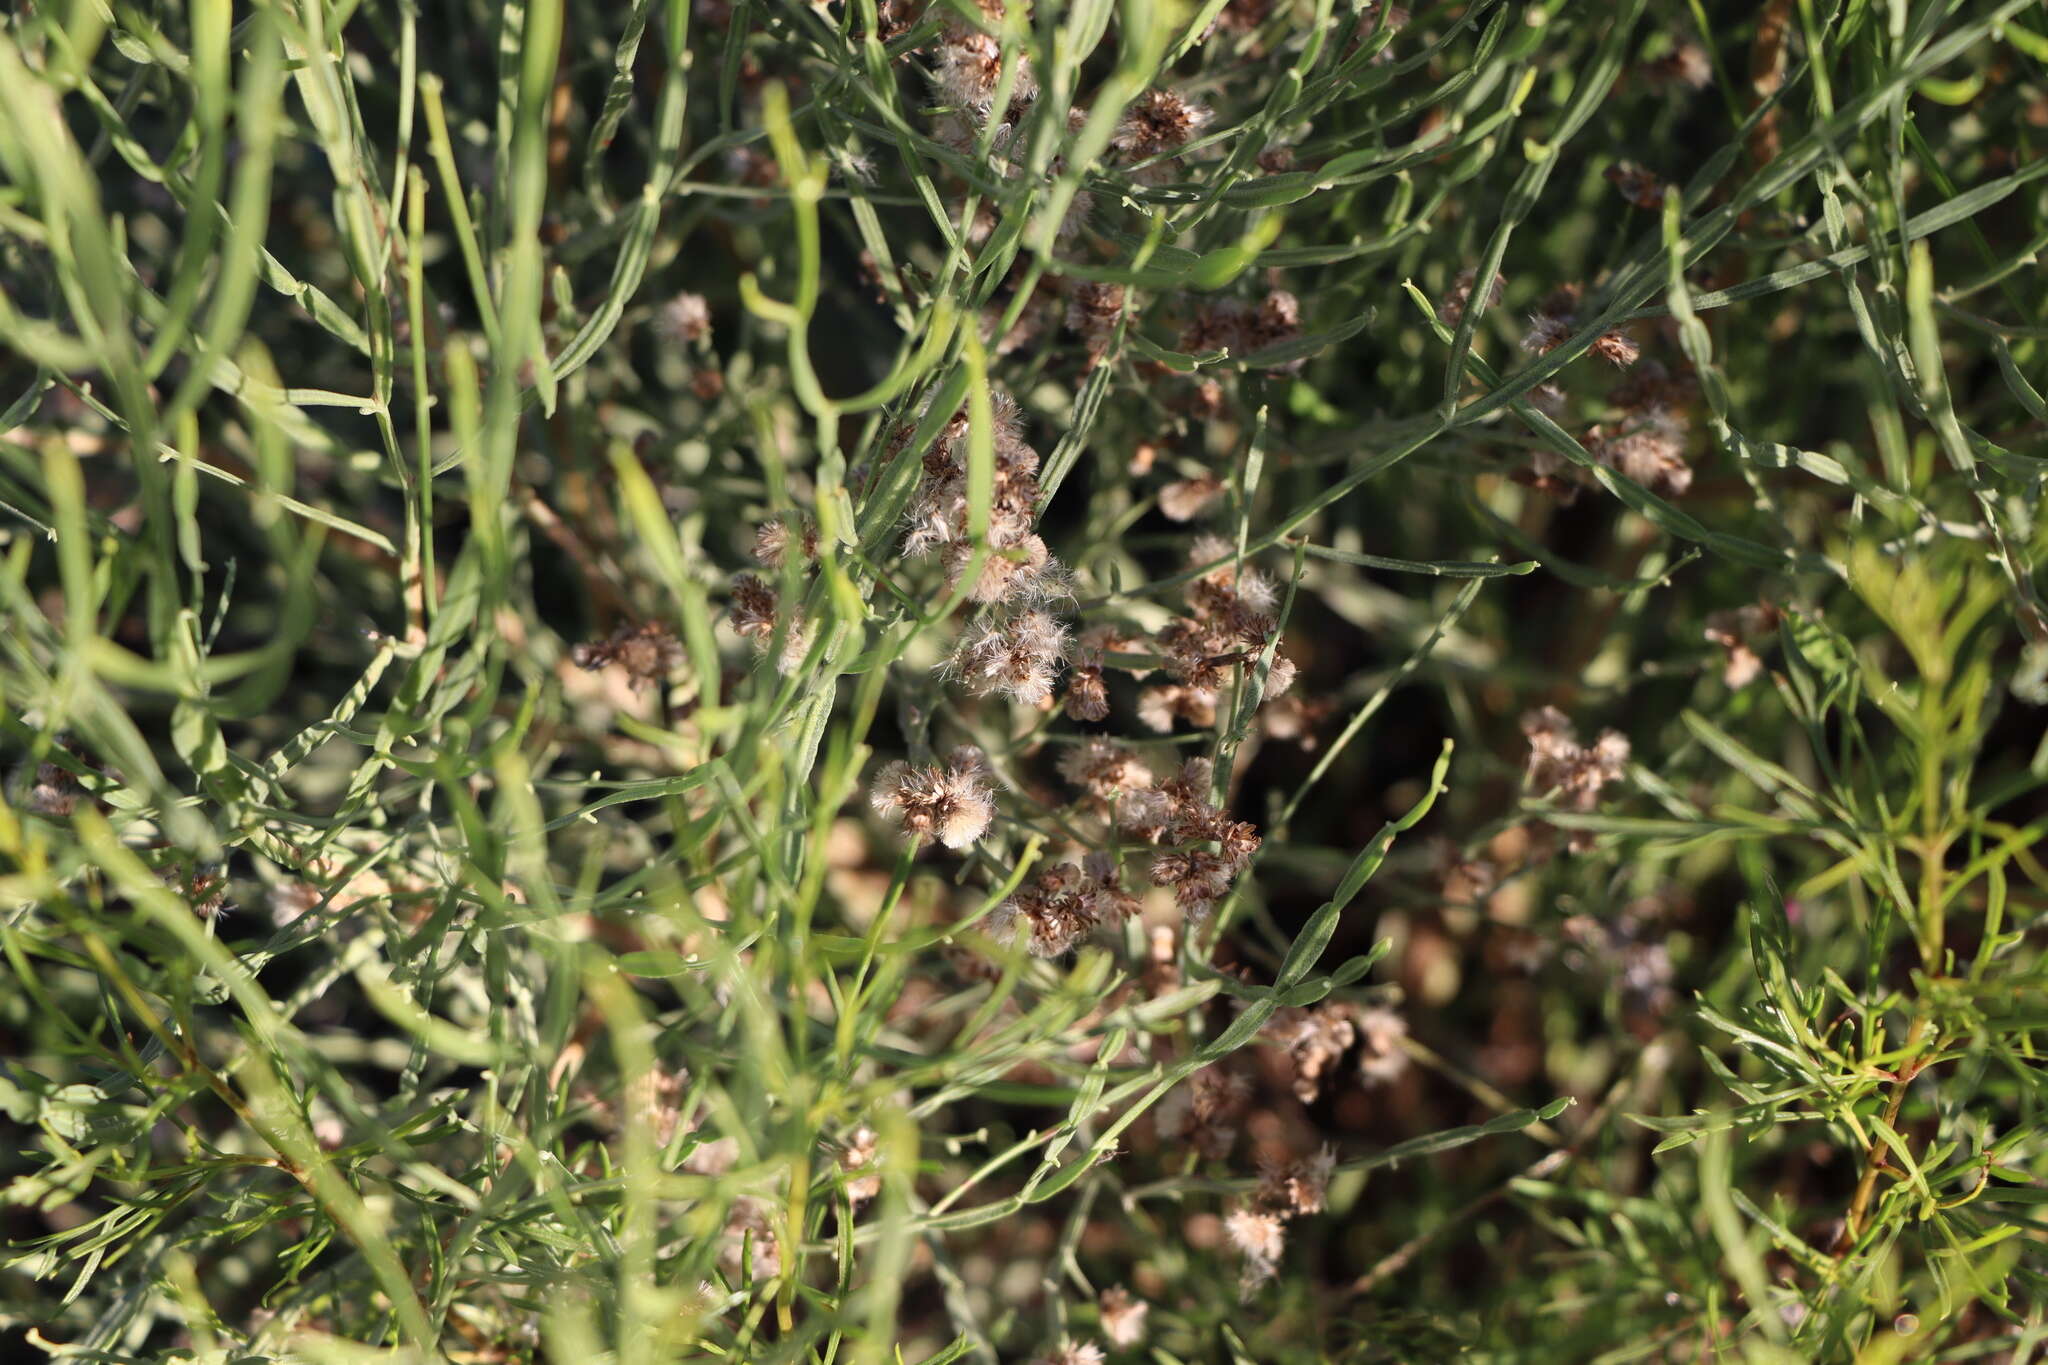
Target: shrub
point(1258, 681)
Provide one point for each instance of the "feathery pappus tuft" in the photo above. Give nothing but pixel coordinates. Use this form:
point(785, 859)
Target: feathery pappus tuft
point(952, 803)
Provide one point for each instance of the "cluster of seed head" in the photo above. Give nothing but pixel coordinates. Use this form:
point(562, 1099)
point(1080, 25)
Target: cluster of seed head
point(1286, 1190)
point(1317, 1038)
point(1206, 1110)
point(1243, 328)
point(1557, 317)
point(1202, 849)
point(1062, 905)
point(1093, 311)
point(967, 66)
point(1012, 654)
point(1017, 567)
point(754, 602)
point(1647, 440)
point(1648, 443)
point(1560, 765)
point(1229, 622)
point(952, 803)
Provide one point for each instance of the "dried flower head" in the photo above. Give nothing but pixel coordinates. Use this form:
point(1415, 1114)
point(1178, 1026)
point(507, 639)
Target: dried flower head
point(772, 539)
point(1015, 656)
point(1123, 1317)
point(1144, 814)
point(1547, 332)
point(952, 804)
point(1636, 185)
point(1186, 499)
point(647, 653)
point(968, 65)
point(1113, 902)
point(1159, 707)
point(749, 1243)
point(1686, 65)
point(1316, 1039)
point(1617, 348)
point(1242, 329)
point(1650, 450)
point(1229, 625)
point(1559, 765)
point(1738, 632)
point(1104, 769)
point(1017, 566)
point(1051, 912)
point(1062, 905)
point(684, 319)
point(1558, 316)
point(1206, 1110)
point(47, 788)
point(857, 1160)
point(1158, 121)
point(1381, 1058)
point(753, 607)
point(1452, 310)
point(1293, 1188)
point(1087, 694)
point(1073, 1353)
point(204, 887)
point(1203, 848)
point(1260, 1236)
point(1198, 877)
point(1093, 311)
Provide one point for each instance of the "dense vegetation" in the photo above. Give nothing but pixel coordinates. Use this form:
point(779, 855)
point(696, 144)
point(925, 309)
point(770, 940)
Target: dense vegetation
point(1275, 680)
